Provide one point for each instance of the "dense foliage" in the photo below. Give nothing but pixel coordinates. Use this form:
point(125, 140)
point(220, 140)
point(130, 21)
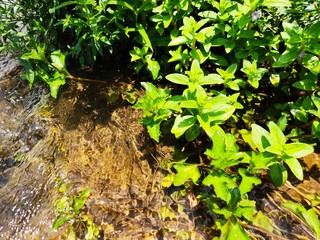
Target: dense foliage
point(241, 76)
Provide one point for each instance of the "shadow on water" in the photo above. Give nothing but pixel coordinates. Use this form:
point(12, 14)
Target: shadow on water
point(87, 141)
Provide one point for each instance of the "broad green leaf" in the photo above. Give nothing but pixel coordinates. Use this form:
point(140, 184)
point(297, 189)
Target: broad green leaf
point(296, 208)
point(278, 174)
point(193, 132)
point(315, 130)
point(237, 232)
point(276, 135)
point(60, 221)
point(178, 78)
point(181, 124)
point(231, 70)
point(262, 221)
point(189, 104)
point(312, 63)
point(314, 30)
point(222, 184)
point(220, 187)
point(287, 57)
point(276, 3)
point(62, 5)
point(218, 149)
point(312, 220)
point(55, 84)
point(223, 113)
point(298, 150)
point(308, 216)
point(247, 181)
point(59, 61)
point(195, 72)
point(306, 85)
point(166, 212)
point(316, 101)
point(186, 172)
point(203, 119)
point(151, 90)
point(32, 55)
point(178, 41)
point(144, 35)
point(168, 180)
point(260, 137)
point(85, 193)
point(211, 79)
point(291, 34)
point(235, 198)
point(275, 79)
point(295, 167)
point(154, 130)
point(153, 67)
point(77, 204)
point(300, 114)
point(62, 204)
point(282, 123)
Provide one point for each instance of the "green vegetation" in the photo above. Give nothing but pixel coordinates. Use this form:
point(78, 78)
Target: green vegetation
point(70, 212)
point(236, 79)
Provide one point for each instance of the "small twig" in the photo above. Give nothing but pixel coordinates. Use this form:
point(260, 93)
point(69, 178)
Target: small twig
point(302, 136)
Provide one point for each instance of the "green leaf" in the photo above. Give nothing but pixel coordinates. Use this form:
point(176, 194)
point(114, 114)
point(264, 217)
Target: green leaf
point(85, 193)
point(237, 232)
point(295, 167)
point(151, 90)
point(32, 55)
point(282, 123)
point(312, 63)
point(144, 35)
point(168, 180)
point(310, 217)
point(153, 67)
point(186, 172)
point(287, 57)
point(181, 124)
point(60, 221)
point(300, 114)
point(62, 5)
point(248, 181)
point(276, 3)
point(222, 184)
point(306, 85)
point(59, 62)
point(77, 204)
point(262, 221)
point(210, 79)
point(315, 130)
point(276, 135)
point(154, 130)
point(166, 212)
point(178, 41)
point(260, 137)
point(298, 150)
point(195, 72)
point(278, 174)
point(178, 78)
point(275, 79)
point(55, 83)
point(316, 101)
point(193, 132)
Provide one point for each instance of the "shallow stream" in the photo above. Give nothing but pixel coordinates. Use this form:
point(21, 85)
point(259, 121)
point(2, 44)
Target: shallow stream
point(84, 141)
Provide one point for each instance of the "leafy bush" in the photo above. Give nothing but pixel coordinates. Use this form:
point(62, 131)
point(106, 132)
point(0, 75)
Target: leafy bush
point(227, 71)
